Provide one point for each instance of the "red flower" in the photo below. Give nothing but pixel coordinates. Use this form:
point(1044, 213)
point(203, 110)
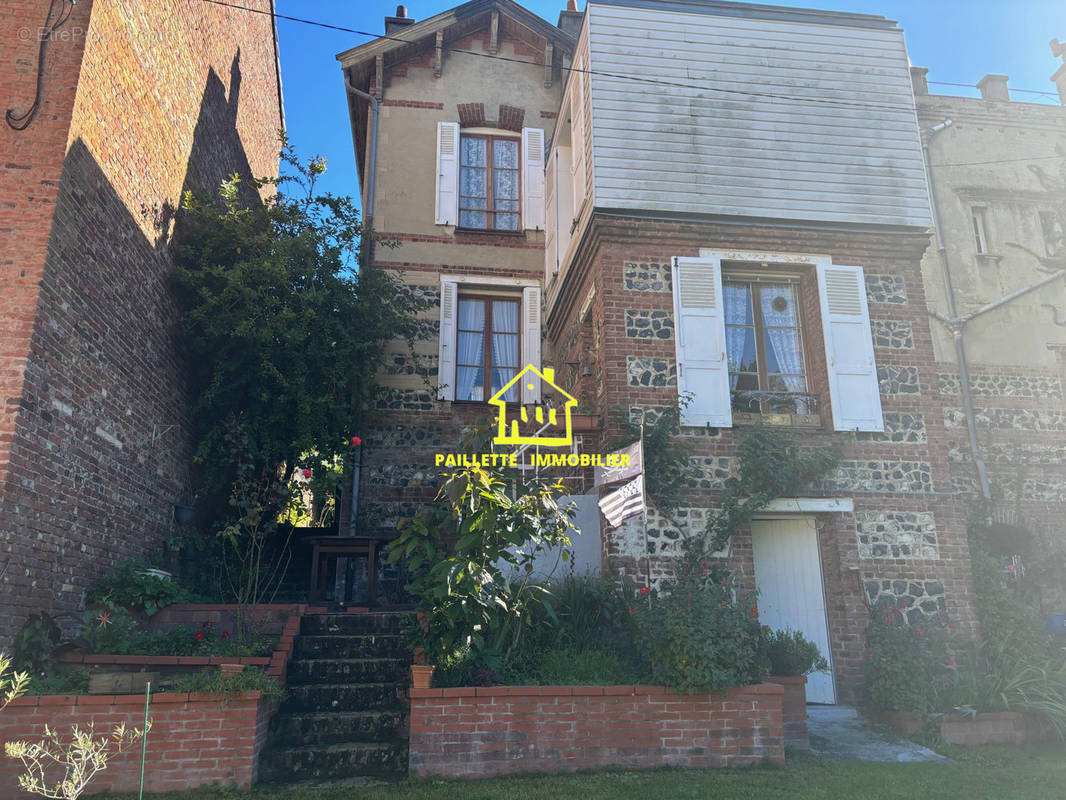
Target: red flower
point(918, 630)
point(755, 611)
point(225, 634)
point(356, 441)
point(306, 473)
point(644, 590)
point(207, 624)
point(688, 604)
point(630, 611)
point(869, 656)
point(888, 619)
point(722, 603)
point(199, 636)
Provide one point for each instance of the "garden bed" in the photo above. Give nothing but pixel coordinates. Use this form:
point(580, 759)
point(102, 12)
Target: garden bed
point(988, 727)
point(195, 739)
point(484, 731)
point(281, 621)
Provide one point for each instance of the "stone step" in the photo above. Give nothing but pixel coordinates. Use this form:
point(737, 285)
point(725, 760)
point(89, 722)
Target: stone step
point(349, 670)
point(335, 646)
point(332, 762)
point(334, 728)
point(355, 623)
point(326, 697)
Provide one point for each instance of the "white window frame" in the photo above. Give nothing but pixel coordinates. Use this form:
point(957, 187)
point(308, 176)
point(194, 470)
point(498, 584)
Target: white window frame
point(523, 289)
point(979, 225)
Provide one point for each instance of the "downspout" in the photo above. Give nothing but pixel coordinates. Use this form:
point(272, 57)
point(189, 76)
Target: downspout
point(364, 258)
point(956, 325)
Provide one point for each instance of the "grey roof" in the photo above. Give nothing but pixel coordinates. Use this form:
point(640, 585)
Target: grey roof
point(724, 8)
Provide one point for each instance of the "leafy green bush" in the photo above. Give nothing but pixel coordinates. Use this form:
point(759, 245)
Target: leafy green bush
point(907, 665)
point(791, 653)
point(583, 668)
point(60, 680)
point(36, 643)
point(133, 585)
point(250, 679)
point(466, 603)
point(697, 639)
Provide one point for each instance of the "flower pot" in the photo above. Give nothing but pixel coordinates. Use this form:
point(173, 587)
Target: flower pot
point(421, 676)
point(231, 669)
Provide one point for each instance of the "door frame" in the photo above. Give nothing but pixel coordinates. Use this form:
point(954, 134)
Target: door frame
point(779, 516)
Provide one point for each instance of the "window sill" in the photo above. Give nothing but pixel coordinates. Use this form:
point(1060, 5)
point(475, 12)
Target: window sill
point(491, 232)
point(989, 257)
point(778, 420)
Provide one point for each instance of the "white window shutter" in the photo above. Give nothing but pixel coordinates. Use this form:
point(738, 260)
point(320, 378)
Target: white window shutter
point(533, 178)
point(447, 209)
point(530, 340)
point(449, 315)
point(849, 349)
point(702, 369)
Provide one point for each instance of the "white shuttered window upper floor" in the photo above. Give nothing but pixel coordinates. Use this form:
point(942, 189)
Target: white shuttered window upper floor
point(737, 110)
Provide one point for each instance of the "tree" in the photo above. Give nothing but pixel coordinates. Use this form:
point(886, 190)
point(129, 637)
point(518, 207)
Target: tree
point(284, 333)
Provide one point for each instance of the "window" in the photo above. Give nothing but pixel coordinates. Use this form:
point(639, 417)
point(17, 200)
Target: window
point(1051, 229)
point(489, 183)
point(487, 352)
point(980, 229)
point(764, 347)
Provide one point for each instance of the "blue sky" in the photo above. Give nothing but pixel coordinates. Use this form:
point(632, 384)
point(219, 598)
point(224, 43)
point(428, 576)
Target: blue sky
point(959, 40)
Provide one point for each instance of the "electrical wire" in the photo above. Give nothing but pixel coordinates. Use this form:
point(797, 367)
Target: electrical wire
point(20, 122)
point(637, 78)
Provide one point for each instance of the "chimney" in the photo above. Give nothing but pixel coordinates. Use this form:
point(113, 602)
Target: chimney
point(994, 87)
point(1059, 78)
point(919, 83)
point(570, 20)
point(399, 22)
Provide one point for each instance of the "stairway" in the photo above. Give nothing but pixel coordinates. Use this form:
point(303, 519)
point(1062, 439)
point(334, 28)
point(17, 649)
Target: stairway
point(346, 709)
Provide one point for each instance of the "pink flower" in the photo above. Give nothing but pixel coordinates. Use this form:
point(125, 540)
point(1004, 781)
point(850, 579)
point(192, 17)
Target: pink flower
point(306, 473)
point(630, 611)
point(356, 441)
point(888, 619)
point(644, 590)
point(869, 656)
point(1010, 568)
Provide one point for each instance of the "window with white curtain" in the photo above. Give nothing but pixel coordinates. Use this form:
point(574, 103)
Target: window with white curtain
point(489, 191)
point(764, 346)
point(488, 347)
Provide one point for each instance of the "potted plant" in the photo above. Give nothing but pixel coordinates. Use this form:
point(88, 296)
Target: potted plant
point(792, 658)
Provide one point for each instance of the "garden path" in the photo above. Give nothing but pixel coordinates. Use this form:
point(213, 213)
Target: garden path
point(839, 732)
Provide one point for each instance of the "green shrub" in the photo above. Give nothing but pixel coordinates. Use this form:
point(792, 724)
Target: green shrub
point(583, 668)
point(36, 643)
point(134, 585)
point(907, 665)
point(697, 639)
point(116, 632)
point(791, 653)
point(250, 679)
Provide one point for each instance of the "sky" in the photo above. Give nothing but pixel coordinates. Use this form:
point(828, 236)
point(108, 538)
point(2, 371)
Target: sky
point(960, 41)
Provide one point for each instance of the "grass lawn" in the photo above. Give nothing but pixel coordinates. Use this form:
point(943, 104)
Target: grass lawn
point(1035, 772)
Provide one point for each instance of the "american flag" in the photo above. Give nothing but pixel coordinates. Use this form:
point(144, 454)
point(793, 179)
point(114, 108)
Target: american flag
point(624, 502)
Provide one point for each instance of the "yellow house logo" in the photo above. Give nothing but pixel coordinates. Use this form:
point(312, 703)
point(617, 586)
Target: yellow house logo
point(514, 417)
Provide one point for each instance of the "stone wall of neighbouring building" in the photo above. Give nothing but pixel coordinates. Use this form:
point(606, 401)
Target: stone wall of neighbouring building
point(138, 104)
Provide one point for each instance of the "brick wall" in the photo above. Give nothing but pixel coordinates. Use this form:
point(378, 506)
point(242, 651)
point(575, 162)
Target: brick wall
point(140, 103)
point(479, 732)
point(195, 740)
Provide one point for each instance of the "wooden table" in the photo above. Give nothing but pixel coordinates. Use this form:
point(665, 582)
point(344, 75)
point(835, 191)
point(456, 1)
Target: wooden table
point(324, 548)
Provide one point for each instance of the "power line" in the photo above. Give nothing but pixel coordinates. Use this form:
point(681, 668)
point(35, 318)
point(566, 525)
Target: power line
point(637, 78)
point(973, 86)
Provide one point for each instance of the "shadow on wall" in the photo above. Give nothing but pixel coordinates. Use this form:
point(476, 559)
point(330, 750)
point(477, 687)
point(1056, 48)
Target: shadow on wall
point(101, 449)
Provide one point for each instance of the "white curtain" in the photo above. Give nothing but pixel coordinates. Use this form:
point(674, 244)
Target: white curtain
point(737, 312)
point(784, 341)
point(505, 346)
point(470, 351)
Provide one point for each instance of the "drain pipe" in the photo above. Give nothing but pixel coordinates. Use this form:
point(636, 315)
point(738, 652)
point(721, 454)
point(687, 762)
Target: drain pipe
point(955, 325)
point(367, 245)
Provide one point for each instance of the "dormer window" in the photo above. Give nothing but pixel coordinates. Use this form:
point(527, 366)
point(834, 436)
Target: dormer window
point(489, 182)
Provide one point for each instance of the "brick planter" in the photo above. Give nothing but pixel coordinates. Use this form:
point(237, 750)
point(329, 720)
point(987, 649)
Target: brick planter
point(793, 709)
point(196, 740)
point(998, 727)
point(479, 732)
point(282, 621)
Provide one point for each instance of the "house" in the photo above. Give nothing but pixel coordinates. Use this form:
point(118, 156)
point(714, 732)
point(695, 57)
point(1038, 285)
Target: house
point(135, 103)
point(994, 274)
point(736, 212)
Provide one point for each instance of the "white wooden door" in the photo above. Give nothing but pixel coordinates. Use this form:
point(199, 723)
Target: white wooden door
point(788, 575)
